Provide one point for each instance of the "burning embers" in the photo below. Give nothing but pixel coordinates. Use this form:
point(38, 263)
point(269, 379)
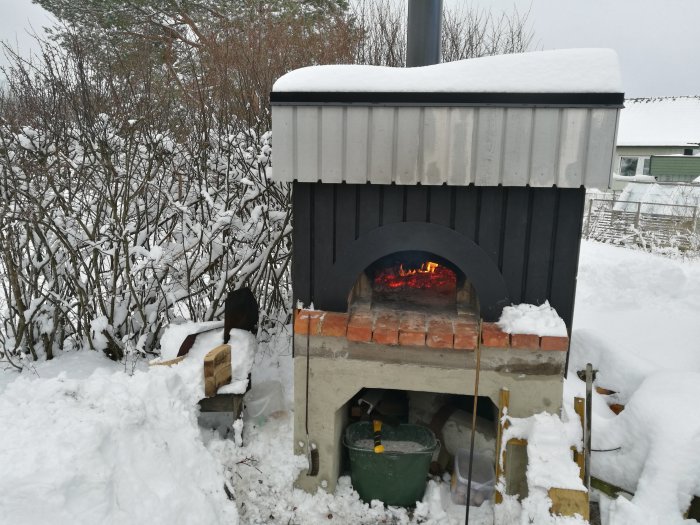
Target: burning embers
point(428, 276)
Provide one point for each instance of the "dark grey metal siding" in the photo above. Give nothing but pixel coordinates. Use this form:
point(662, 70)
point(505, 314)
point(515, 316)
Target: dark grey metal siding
point(531, 236)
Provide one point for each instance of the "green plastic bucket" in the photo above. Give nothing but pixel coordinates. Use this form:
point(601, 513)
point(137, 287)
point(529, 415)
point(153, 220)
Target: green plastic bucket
point(394, 477)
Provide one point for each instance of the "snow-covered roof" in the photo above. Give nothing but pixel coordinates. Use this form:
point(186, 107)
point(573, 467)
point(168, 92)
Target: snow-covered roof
point(560, 71)
point(663, 121)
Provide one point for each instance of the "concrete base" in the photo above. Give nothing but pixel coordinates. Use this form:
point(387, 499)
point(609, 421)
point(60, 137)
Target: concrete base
point(333, 381)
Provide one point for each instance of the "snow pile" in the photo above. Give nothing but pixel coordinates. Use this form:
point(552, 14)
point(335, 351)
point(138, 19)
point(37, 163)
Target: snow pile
point(111, 448)
point(679, 200)
point(531, 319)
point(550, 465)
point(242, 351)
point(659, 458)
point(636, 313)
point(560, 71)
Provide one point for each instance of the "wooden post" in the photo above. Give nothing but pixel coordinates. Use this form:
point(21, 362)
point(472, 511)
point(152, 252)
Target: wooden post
point(503, 402)
point(579, 407)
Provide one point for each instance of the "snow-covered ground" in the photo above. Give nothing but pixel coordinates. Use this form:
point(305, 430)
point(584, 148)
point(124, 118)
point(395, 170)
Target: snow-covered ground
point(84, 440)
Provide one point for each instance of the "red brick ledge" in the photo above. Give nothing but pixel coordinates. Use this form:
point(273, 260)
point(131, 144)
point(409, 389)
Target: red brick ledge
point(415, 329)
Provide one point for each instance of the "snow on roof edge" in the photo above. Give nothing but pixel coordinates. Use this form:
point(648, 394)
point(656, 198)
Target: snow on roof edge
point(558, 71)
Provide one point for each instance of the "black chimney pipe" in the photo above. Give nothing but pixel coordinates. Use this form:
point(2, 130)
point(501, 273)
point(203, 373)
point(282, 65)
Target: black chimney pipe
point(424, 30)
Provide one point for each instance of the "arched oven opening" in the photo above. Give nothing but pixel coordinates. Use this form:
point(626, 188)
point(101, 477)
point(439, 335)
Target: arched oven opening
point(414, 280)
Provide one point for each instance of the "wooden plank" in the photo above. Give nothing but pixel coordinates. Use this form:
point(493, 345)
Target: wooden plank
point(217, 369)
point(345, 211)
point(490, 227)
point(568, 502)
point(579, 457)
point(503, 402)
point(169, 362)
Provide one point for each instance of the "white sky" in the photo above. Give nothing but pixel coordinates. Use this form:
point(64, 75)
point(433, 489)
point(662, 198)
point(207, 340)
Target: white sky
point(657, 40)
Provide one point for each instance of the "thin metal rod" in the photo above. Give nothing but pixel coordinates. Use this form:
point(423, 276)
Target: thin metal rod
point(471, 444)
point(587, 432)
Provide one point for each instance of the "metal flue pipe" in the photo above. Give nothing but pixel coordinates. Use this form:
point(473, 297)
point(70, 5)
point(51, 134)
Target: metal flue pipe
point(423, 32)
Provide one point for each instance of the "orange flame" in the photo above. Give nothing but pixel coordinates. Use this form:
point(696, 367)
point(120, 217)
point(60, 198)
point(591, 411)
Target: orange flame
point(428, 275)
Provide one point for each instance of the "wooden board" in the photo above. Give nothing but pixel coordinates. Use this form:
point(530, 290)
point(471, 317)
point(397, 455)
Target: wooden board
point(217, 369)
point(568, 502)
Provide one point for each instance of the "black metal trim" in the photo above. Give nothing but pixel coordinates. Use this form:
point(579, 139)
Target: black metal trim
point(282, 98)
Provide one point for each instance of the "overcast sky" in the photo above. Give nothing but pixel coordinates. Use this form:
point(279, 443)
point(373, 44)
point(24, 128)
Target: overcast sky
point(657, 40)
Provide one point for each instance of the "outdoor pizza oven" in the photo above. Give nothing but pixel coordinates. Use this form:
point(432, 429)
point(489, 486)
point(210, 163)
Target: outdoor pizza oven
point(425, 200)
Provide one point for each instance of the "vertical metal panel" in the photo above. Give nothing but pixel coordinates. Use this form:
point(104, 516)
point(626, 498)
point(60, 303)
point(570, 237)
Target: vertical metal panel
point(345, 217)
point(417, 204)
point(490, 217)
point(440, 205)
point(283, 142)
point(301, 243)
point(466, 211)
point(392, 204)
point(489, 142)
point(460, 164)
point(516, 150)
point(601, 147)
point(307, 140)
point(408, 142)
point(356, 145)
point(436, 145)
point(380, 145)
point(574, 140)
point(332, 141)
point(323, 240)
point(368, 218)
point(566, 251)
point(515, 240)
point(539, 254)
point(545, 142)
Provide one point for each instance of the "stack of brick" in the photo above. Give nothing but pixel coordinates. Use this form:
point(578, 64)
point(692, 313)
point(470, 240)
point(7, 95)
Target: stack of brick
point(459, 332)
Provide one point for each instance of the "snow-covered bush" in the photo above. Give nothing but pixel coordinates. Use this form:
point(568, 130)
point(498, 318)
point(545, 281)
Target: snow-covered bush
point(121, 209)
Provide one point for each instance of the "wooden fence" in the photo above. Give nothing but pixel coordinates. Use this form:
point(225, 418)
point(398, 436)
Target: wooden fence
point(644, 224)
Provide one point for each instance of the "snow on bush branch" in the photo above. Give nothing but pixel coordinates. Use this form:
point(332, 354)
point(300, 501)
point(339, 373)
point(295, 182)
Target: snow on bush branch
point(110, 228)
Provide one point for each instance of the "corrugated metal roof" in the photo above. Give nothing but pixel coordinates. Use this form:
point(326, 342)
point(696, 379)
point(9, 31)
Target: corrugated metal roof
point(485, 145)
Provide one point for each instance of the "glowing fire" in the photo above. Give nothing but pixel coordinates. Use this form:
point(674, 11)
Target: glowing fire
point(428, 275)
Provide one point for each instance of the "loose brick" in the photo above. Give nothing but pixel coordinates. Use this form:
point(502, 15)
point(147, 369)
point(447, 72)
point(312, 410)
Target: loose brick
point(440, 334)
point(386, 329)
point(549, 342)
point(360, 327)
point(493, 336)
point(466, 335)
point(412, 329)
point(525, 341)
point(308, 322)
point(335, 324)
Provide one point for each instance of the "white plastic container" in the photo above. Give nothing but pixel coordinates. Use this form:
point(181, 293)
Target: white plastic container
point(264, 399)
point(483, 479)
